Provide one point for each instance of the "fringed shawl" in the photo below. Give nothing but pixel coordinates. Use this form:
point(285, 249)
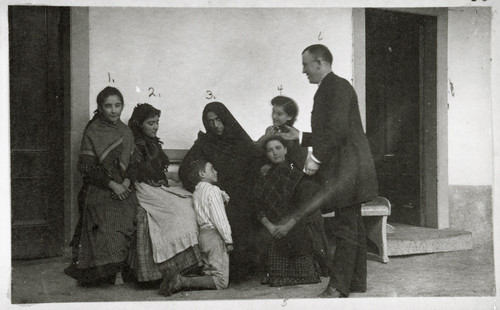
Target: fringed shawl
point(277, 195)
point(153, 162)
point(108, 146)
point(276, 190)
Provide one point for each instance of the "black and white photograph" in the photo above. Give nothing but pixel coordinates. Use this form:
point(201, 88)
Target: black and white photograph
point(253, 155)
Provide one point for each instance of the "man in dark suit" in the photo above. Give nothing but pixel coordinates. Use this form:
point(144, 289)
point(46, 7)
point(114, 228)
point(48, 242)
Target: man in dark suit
point(342, 162)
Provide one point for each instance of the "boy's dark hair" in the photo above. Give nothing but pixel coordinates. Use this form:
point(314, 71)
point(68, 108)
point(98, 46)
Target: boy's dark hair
point(195, 167)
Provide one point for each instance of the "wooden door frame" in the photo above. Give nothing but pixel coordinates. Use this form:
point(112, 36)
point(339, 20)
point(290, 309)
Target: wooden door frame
point(77, 115)
point(434, 148)
point(42, 237)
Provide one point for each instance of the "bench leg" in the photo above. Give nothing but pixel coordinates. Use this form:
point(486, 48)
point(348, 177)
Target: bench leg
point(376, 231)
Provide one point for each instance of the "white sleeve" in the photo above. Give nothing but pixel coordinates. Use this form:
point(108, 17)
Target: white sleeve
point(218, 214)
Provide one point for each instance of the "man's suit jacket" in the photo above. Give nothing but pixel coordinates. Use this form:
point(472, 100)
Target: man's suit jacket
point(346, 172)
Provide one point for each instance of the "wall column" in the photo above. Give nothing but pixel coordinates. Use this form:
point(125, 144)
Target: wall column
point(78, 114)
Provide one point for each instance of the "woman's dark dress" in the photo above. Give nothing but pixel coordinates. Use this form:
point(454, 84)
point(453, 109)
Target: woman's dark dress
point(237, 161)
point(300, 257)
point(106, 226)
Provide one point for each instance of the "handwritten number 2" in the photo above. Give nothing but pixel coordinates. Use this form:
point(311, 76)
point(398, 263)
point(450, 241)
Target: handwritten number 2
point(152, 92)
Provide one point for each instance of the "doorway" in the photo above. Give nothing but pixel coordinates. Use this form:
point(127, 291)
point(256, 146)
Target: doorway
point(400, 107)
point(39, 68)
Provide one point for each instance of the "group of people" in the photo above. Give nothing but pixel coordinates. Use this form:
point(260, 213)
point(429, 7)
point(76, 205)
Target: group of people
point(245, 207)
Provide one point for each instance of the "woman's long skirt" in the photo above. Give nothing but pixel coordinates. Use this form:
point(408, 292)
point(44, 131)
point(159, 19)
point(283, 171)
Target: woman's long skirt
point(103, 234)
point(285, 269)
point(167, 233)
point(141, 255)
point(290, 270)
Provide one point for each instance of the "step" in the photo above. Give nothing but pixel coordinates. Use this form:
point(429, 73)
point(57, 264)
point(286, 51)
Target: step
point(407, 240)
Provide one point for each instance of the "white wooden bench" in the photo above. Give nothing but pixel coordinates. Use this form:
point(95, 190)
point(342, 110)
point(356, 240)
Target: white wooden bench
point(375, 215)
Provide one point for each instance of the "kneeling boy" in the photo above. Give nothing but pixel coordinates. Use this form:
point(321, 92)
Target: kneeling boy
point(215, 233)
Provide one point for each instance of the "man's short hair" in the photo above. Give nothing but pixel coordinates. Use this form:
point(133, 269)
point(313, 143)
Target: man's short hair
point(195, 167)
point(320, 51)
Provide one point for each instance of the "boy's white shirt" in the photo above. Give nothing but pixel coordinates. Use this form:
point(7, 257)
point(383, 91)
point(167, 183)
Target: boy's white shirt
point(209, 204)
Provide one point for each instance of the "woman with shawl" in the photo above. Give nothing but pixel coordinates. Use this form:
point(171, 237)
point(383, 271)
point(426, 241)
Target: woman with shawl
point(300, 257)
point(167, 233)
point(233, 154)
point(106, 203)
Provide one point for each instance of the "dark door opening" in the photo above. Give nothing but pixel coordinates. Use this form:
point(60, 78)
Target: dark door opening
point(400, 50)
point(38, 56)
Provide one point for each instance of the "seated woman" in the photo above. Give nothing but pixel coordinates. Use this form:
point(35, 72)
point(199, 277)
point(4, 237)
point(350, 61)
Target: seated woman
point(285, 112)
point(300, 257)
point(167, 232)
point(106, 203)
point(235, 157)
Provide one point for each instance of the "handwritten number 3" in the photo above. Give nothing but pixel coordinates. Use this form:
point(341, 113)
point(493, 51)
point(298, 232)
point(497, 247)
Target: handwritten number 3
point(210, 95)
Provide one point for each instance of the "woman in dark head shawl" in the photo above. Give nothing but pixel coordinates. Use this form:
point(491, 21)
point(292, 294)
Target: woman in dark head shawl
point(235, 157)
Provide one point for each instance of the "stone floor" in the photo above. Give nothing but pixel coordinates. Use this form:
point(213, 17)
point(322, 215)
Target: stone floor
point(467, 273)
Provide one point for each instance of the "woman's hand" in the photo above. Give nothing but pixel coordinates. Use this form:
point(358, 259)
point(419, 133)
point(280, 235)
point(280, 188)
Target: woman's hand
point(271, 228)
point(229, 247)
point(268, 225)
point(119, 190)
point(265, 169)
point(225, 197)
point(126, 183)
point(292, 134)
point(282, 230)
